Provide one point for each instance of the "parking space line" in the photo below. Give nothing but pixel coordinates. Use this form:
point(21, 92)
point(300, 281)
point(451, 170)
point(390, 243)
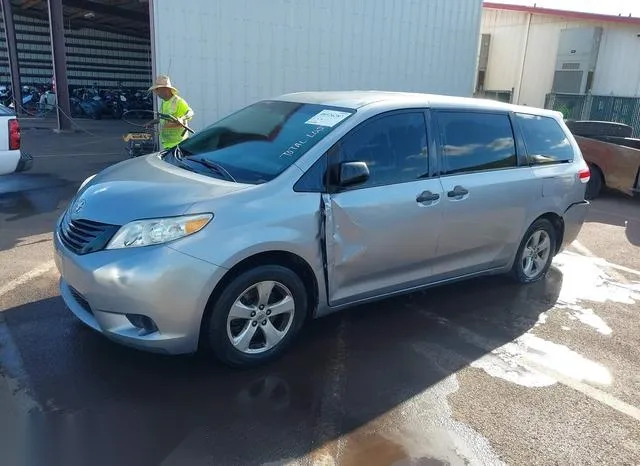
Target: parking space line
point(589, 391)
point(490, 346)
point(27, 277)
point(603, 262)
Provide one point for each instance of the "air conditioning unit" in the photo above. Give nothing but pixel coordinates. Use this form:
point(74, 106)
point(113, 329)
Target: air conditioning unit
point(576, 60)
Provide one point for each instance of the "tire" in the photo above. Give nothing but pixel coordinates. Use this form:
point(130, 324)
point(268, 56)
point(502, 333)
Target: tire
point(589, 128)
point(596, 181)
point(518, 270)
point(220, 328)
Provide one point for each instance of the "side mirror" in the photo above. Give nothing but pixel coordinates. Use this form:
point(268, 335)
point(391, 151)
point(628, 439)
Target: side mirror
point(353, 173)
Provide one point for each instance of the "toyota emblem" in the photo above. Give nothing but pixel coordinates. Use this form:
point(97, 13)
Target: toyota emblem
point(79, 206)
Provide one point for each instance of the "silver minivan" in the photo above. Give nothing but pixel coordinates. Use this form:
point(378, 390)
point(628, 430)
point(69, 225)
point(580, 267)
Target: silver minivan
point(299, 206)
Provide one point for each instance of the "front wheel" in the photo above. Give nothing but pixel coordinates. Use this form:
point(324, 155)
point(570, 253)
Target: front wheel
point(257, 316)
point(535, 253)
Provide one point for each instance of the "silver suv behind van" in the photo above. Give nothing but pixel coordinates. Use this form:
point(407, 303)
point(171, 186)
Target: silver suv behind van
point(299, 206)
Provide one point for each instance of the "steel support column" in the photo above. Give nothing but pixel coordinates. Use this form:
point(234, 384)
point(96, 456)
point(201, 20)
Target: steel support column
point(10, 37)
point(58, 52)
point(152, 28)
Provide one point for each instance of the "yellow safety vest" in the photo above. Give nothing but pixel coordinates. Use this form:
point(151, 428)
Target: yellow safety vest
point(177, 107)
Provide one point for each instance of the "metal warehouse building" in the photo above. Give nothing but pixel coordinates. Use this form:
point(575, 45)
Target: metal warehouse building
point(223, 54)
point(104, 52)
point(586, 65)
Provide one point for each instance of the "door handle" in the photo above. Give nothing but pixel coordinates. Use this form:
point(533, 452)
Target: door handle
point(458, 191)
point(427, 196)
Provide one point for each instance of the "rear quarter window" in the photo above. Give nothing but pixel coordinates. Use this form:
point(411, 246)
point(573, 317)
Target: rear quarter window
point(544, 140)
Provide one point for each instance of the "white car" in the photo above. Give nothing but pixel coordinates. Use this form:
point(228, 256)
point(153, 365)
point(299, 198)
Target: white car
point(11, 158)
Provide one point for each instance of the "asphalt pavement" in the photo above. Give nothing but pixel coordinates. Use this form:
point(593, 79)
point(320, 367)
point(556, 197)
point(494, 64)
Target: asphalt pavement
point(480, 372)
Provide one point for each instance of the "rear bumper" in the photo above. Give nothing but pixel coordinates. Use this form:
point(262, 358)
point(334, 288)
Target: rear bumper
point(25, 163)
point(574, 218)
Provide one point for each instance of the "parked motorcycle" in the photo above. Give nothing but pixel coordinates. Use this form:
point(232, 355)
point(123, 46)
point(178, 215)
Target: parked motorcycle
point(92, 104)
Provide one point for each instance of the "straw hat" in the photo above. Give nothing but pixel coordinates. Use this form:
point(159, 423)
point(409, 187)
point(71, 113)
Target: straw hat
point(163, 81)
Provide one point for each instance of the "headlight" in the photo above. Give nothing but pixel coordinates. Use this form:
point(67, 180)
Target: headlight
point(84, 183)
point(157, 231)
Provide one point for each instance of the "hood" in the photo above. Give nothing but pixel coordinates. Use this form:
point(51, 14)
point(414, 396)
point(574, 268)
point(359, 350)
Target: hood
point(145, 187)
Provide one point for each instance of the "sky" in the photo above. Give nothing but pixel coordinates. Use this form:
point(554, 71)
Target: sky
point(607, 7)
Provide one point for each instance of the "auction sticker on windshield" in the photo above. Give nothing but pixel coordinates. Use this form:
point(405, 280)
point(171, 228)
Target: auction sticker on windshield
point(328, 118)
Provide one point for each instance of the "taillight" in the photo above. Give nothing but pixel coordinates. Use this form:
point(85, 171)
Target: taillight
point(584, 175)
point(14, 134)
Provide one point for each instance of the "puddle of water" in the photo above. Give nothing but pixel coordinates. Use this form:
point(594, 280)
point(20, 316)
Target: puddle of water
point(426, 430)
point(376, 450)
point(513, 362)
point(590, 318)
point(583, 280)
point(418, 431)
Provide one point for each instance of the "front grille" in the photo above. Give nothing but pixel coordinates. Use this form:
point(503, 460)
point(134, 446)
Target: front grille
point(85, 236)
point(80, 300)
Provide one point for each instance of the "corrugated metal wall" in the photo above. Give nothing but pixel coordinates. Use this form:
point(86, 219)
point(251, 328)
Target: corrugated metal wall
point(616, 71)
point(92, 56)
point(225, 54)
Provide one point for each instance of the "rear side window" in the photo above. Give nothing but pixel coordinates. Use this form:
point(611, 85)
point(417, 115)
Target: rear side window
point(475, 142)
point(544, 139)
point(393, 146)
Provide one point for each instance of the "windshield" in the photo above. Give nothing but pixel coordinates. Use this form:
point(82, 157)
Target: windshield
point(257, 143)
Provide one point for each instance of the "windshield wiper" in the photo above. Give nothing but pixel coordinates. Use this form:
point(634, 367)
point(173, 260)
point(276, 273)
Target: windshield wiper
point(177, 153)
point(181, 155)
point(215, 167)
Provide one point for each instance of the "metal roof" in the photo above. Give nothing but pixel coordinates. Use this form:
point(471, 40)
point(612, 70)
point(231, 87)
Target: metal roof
point(580, 15)
point(129, 17)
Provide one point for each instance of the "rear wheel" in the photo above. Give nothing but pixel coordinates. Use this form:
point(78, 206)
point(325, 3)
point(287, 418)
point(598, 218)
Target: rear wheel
point(594, 187)
point(257, 316)
point(535, 253)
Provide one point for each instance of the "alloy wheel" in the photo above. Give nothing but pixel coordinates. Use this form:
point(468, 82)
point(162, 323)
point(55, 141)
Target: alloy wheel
point(536, 254)
point(260, 317)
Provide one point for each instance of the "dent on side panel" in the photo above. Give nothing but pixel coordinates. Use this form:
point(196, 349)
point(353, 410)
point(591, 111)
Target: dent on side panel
point(345, 243)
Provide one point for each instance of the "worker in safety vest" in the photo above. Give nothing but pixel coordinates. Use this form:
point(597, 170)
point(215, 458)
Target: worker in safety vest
point(171, 133)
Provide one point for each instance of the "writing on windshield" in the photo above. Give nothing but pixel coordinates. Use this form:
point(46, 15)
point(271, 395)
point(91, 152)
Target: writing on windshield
point(259, 142)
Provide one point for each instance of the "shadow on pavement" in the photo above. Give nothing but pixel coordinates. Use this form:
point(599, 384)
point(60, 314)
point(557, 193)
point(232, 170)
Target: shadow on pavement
point(29, 204)
point(106, 404)
point(617, 209)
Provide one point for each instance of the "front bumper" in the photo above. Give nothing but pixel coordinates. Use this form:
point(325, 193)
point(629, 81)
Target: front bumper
point(167, 286)
point(574, 218)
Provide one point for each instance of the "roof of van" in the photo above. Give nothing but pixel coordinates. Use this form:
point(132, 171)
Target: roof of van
point(358, 99)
